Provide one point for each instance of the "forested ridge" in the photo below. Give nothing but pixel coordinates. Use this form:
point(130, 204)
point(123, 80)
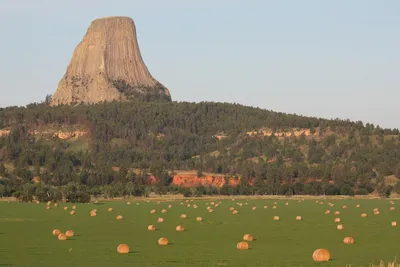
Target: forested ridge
point(261, 148)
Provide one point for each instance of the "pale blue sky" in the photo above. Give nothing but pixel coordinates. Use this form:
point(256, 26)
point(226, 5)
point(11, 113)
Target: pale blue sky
point(328, 59)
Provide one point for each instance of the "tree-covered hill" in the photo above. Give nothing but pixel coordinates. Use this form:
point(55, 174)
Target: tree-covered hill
point(269, 152)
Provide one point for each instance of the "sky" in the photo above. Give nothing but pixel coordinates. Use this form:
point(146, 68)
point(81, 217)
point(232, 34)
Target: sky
point(330, 59)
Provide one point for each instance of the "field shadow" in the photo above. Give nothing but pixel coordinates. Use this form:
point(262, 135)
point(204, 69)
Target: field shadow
point(134, 252)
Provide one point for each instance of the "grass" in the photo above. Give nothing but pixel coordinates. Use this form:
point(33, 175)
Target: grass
point(26, 234)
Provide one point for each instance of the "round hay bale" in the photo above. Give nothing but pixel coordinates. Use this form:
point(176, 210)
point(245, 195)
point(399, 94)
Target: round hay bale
point(248, 237)
point(254, 208)
point(327, 212)
point(183, 216)
point(337, 213)
point(119, 217)
point(163, 211)
point(216, 205)
point(392, 208)
point(287, 204)
point(69, 233)
point(358, 205)
point(321, 203)
point(169, 206)
point(265, 207)
point(299, 218)
point(363, 215)
point(210, 210)
point(321, 255)
point(56, 232)
point(188, 205)
point(93, 214)
point(243, 245)
point(151, 227)
point(128, 203)
point(208, 207)
point(376, 209)
point(47, 207)
point(199, 219)
point(235, 212)
point(153, 211)
point(48, 203)
point(110, 209)
point(163, 241)
point(340, 227)
point(276, 218)
point(231, 208)
point(344, 207)
point(65, 208)
point(394, 223)
point(62, 237)
point(123, 249)
point(195, 206)
point(274, 207)
point(73, 207)
point(275, 203)
point(348, 240)
point(376, 212)
point(179, 228)
point(337, 220)
point(160, 220)
point(72, 212)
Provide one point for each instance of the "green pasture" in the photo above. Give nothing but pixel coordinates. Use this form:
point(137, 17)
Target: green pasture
point(26, 234)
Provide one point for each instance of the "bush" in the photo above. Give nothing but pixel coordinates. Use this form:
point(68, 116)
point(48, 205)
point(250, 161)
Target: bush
point(362, 191)
point(346, 190)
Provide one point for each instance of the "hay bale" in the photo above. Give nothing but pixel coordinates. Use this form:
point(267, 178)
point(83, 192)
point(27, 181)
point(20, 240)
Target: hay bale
point(93, 214)
point(391, 208)
point(394, 223)
point(62, 237)
point(47, 207)
point(376, 212)
point(363, 215)
point(199, 219)
point(48, 203)
point(235, 212)
point(163, 211)
point(321, 255)
point(123, 249)
point(348, 240)
point(212, 203)
point(337, 213)
point(254, 208)
point(56, 232)
point(179, 228)
point(344, 207)
point(65, 208)
point(337, 220)
point(151, 227)
point(242, 245)
point(183, 216)
point(299, 218)
point(72, 212)
point(110, 209)
point(216, 205)
point(274, 207)
point(276, 218)
point(231, 208)
point(248, 237)
point(55, 204)
point(160, 220)
point(321, 203)
point(327, 212)
point(287, 204)
point(195, 206)
point(153, 211)
point(119, 217)
point(163, 241)
point(188, 205)
point(73, 207)
point(169, 206)
point(210, 210)
point(69, 233)
point(340, 227)
point(265, 207)
point(376, 209)
point(358, 205)
point(128, 203)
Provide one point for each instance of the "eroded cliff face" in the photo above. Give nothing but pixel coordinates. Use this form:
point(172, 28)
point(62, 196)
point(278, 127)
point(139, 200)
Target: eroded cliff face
point(106, 66)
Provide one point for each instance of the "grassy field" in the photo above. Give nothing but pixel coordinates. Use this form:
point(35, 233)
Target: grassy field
point(26, 234)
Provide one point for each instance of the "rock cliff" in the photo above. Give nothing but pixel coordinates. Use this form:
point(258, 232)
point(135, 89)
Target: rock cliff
point(107, 65)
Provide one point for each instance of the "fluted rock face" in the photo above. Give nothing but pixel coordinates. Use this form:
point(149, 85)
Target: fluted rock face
point(106, 66)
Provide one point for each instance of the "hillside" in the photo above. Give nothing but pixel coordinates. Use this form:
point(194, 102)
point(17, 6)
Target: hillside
point(123, 148)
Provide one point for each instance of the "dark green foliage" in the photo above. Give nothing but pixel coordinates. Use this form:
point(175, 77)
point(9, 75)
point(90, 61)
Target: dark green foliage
point(156, 137)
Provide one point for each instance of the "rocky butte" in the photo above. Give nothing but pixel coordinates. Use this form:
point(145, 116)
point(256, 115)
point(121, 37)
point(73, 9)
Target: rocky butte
point(107, 65)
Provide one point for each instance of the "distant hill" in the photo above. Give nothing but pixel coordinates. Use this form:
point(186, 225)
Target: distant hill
point(110, 148)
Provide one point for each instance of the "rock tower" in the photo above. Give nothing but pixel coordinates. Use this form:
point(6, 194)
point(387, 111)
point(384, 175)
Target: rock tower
point(107, 65)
